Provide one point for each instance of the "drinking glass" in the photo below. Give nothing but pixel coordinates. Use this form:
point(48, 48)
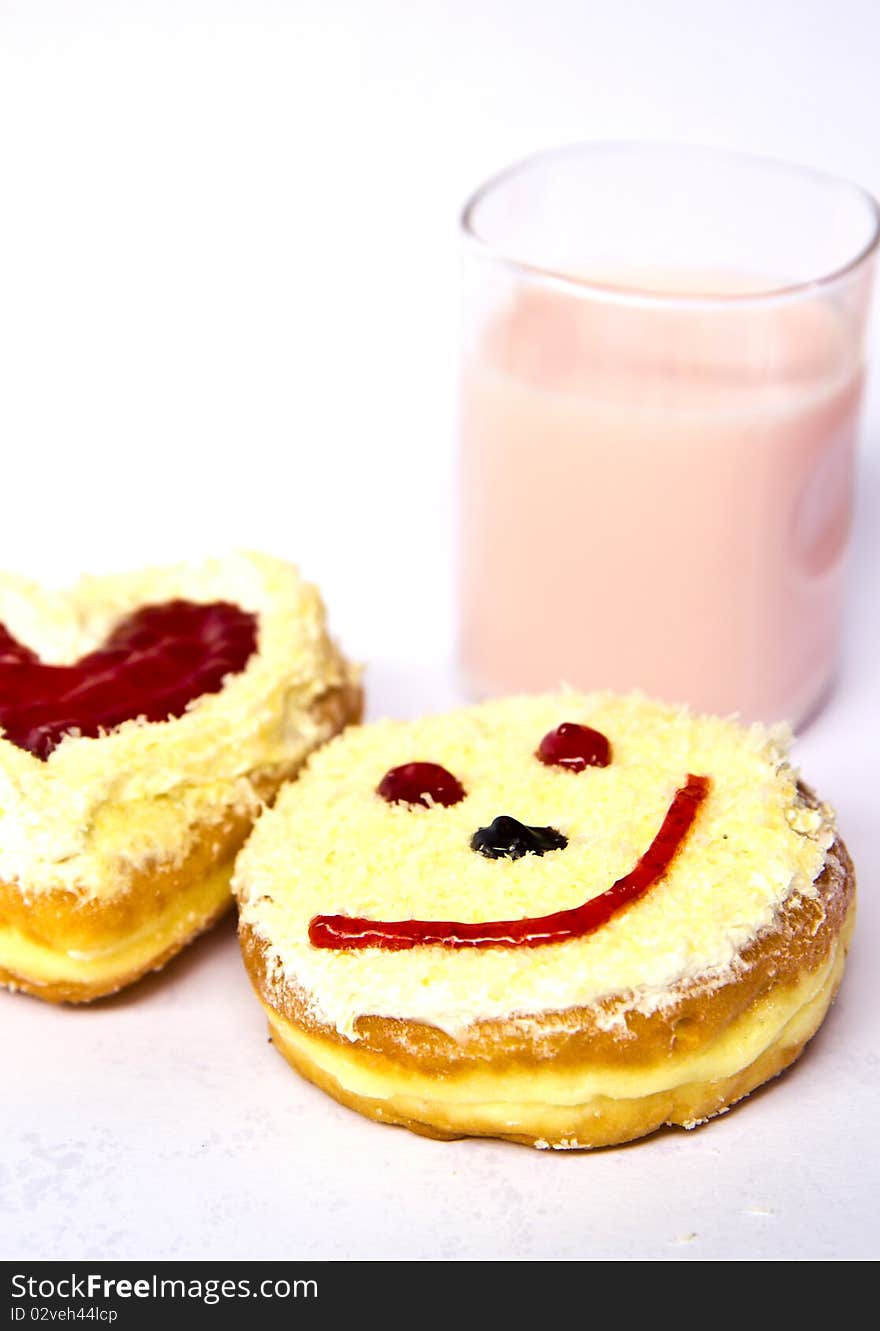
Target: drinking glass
point(661, 382)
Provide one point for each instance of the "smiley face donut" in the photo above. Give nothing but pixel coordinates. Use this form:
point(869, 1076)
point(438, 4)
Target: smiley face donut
point(563, 920)
point(144, 721)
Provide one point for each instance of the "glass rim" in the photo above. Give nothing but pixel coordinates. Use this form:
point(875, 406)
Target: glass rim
point(609, 291)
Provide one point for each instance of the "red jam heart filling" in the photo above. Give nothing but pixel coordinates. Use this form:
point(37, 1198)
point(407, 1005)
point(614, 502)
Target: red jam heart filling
point(155, 662)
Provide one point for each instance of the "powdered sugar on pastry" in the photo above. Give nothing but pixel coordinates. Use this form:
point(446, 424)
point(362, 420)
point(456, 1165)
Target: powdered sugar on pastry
point(137, 793)
point(332, 846)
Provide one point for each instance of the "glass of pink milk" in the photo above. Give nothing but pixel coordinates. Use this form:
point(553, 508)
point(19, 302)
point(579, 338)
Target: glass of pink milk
point(662, 375)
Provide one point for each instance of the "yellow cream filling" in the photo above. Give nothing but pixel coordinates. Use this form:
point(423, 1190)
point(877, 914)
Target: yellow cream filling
point(332, 845)
point(786, 1017)
point(24, 958)
point(139, 791)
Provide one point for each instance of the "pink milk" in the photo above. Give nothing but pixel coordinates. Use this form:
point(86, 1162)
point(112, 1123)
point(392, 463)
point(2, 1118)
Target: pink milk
point(657, 495)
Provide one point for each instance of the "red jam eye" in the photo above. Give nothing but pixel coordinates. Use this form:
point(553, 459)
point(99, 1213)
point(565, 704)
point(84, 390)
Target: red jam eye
point(574, 747)
point(420, 783)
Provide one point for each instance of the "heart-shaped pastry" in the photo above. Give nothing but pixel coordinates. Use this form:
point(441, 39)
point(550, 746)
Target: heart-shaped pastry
point(144, 722)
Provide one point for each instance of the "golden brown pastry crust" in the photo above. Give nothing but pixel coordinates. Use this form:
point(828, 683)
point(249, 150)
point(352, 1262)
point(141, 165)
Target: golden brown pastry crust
point(808, 934)
point(66, 920)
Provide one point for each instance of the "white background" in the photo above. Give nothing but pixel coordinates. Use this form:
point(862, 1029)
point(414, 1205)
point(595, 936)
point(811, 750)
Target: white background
point(228, 309)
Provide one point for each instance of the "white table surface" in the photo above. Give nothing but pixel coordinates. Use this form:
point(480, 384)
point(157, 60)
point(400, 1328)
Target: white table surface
point(227, 254)
point(162, 1124)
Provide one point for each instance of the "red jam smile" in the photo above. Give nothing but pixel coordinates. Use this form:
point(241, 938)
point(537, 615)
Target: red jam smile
point(344, 931)
point(411, 783)
point(155, 662)
point(574, 747)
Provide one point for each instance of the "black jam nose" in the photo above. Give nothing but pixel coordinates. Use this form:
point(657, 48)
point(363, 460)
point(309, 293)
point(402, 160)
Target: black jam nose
point(506, 838)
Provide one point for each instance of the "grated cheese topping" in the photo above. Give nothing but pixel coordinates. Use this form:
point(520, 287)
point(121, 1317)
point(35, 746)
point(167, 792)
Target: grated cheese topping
point(333, 846)
point(139, 792)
